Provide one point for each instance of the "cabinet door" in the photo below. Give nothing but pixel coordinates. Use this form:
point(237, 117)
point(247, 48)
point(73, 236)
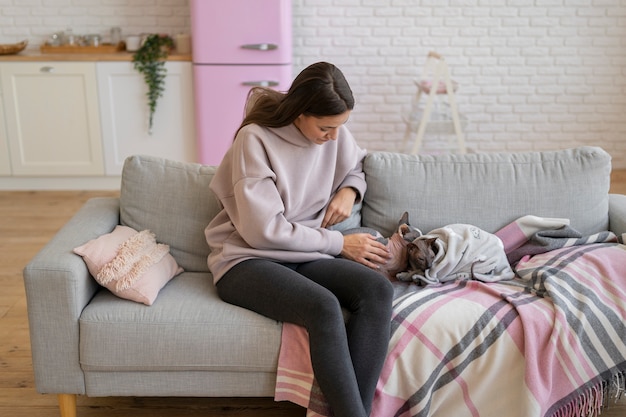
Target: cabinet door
point(125, 113)
point(52, 118)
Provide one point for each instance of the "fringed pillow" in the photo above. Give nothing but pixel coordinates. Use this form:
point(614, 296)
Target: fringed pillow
point(131, 264)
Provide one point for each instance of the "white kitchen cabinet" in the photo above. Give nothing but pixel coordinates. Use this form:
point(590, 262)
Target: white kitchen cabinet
point(5, 162)
point(52, 118)
point(124, 114)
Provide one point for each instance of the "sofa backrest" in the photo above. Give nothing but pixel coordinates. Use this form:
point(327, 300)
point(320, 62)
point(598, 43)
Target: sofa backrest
point(173, 200)
point(488, 190)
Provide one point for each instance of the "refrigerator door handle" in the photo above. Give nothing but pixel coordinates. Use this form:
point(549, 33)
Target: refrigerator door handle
point(260, 83)
point(260, 46)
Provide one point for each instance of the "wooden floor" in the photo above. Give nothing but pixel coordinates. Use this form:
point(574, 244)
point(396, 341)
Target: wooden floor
point(27, 221)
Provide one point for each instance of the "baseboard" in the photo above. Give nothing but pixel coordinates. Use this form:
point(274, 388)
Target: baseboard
point(59, 183)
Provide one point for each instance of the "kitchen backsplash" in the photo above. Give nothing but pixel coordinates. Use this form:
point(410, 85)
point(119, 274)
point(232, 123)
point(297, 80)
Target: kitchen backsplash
point(36, 20)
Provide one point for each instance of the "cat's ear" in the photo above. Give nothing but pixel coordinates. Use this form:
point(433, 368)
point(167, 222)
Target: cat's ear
point(432, 242)
point(409, 233)
point(404, 219)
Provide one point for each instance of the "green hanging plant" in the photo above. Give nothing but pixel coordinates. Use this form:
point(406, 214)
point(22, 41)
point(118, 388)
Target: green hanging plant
point(149, 60)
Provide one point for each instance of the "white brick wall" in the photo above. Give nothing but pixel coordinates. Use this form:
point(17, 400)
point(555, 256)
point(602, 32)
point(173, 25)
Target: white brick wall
point(533, 74)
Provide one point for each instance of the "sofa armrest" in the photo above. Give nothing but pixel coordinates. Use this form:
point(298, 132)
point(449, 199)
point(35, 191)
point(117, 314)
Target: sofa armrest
point(58, 287)
point(617, 213)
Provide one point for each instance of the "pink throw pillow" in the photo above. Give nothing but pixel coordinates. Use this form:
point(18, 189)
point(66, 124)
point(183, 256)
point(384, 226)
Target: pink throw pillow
point(129, 263)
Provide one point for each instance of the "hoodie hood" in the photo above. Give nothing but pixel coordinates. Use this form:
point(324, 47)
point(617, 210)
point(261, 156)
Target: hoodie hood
point(291, 134)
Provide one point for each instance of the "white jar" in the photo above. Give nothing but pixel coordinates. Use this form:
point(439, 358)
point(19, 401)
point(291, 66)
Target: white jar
point(133, 43)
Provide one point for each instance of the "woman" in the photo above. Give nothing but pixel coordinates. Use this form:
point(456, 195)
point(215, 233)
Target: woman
point(293, 171)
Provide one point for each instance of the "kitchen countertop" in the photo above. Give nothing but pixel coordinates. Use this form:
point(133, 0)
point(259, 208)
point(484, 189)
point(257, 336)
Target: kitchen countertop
point(36, 56)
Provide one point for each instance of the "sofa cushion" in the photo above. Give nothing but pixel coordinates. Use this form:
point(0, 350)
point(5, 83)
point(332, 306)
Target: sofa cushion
point(173, 200)
point(187, 328)
point(488, 190)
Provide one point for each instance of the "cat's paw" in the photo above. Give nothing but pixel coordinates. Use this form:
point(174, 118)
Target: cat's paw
point(404, 276)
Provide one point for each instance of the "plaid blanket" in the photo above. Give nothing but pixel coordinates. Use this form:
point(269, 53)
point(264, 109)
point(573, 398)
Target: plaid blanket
point(549, 343)
point(584, 330)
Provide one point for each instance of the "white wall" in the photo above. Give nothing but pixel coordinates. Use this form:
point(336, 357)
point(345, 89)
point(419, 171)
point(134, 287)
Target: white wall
point(533, 74)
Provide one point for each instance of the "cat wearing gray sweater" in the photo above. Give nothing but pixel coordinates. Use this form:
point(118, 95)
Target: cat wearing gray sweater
point(456, 251)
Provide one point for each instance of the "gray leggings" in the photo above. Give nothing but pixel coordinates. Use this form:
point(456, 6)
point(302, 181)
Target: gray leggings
point(347, 358)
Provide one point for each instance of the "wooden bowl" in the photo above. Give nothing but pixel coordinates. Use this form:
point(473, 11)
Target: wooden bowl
point(12, 48)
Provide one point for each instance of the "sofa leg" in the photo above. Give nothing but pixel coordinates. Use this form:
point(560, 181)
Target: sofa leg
point(67, 405)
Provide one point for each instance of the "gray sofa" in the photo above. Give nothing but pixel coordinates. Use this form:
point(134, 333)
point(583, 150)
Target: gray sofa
point(86, 341)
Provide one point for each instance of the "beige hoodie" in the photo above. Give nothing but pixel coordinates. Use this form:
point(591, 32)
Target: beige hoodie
point(274, 186)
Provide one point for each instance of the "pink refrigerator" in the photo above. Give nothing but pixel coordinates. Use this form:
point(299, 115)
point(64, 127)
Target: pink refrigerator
point(236, 44)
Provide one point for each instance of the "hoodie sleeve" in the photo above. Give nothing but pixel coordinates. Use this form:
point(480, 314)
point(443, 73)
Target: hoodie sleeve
point(350, 157)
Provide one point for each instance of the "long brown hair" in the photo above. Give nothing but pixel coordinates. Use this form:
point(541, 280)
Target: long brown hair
point(319, 90)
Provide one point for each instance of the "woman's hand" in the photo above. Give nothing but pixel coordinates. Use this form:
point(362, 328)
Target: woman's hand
point(340, 207)
point(365, 249)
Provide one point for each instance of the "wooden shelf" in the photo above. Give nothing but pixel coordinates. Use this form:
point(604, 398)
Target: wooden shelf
point(105, 48)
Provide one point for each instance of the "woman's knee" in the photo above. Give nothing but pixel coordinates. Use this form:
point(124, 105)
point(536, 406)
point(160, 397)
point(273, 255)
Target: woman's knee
point(325, 310)
point(377, 299)
point(378, 287)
